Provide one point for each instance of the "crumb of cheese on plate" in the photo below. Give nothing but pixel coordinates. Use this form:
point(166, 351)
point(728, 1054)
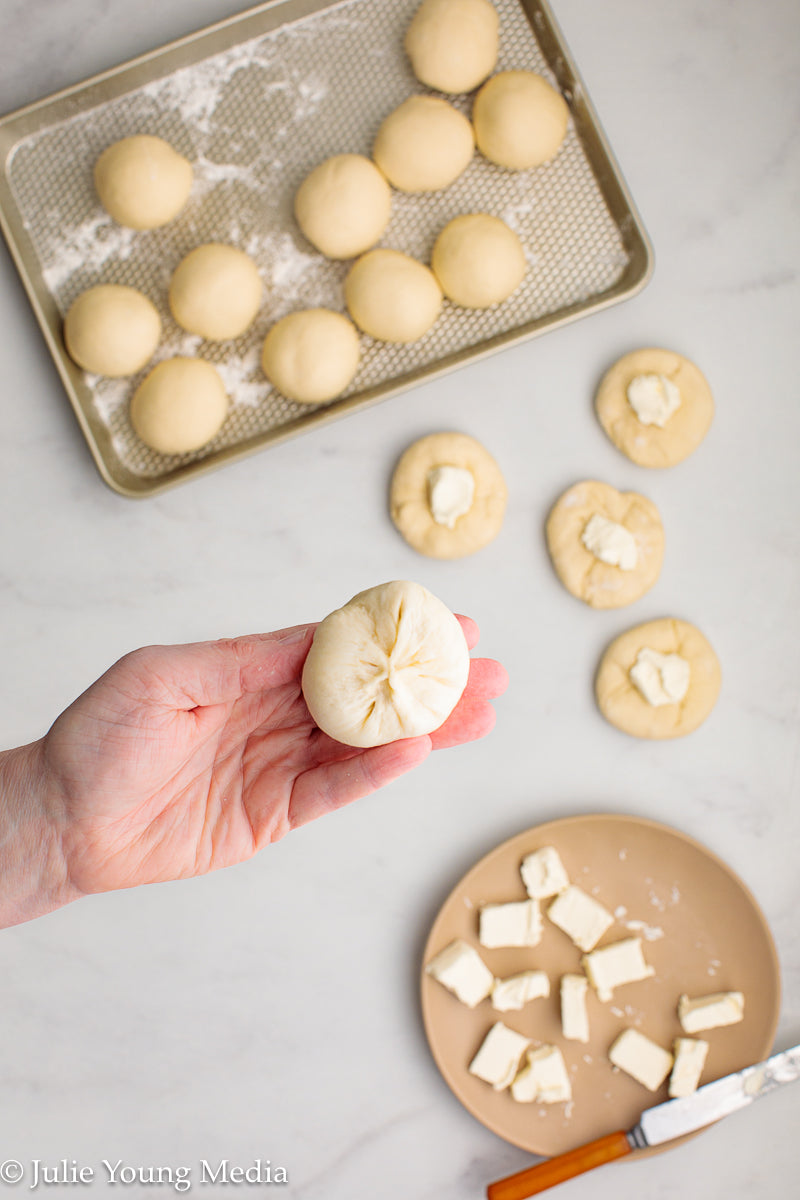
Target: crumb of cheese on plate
point(581, 917)
point(574, 1018)
point(644, 1060)
point(690, 1057)
point(709, 1012)
point(497, 1061)
point(462, 971)
point(616, 964)
point(544, 1079)
point(518, 923)
point(543, 873)
point(516, 990)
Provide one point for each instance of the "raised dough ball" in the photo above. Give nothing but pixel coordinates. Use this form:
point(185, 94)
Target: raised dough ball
point(112, 330)
point(215, 292)
point(343, 206)
point(142, 182)
point(311, 356)
point(478, 260)
point(392, 663)
point(520, 120)
point(179, 406)
point(392, 296)
point(425, 144)
point(453, 44)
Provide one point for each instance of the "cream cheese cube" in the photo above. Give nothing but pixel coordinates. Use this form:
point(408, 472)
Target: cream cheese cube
point(544, 1079)
point(574, 1017)
point(580, 916)
point(641, 1058)
point(497, 1061)
point(543, 873)
point(709, 1012)
point(462, 971)
point(613, 965)
point(516, 924)
point(690, 1057)
point(516, 990)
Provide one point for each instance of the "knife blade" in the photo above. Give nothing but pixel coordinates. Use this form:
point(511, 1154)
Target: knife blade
point(657, 1125)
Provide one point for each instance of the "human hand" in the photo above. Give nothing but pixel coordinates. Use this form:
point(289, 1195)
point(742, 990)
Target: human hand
point(184, 759)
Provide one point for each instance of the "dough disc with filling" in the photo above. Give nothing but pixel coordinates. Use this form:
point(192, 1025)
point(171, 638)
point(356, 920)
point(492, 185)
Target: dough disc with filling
point(392, 663)
point(600, 584)
point(652, 445)
point(623, 705)
point(409, 502)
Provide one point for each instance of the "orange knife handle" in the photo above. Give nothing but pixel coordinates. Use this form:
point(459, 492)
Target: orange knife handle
point(557, 1170)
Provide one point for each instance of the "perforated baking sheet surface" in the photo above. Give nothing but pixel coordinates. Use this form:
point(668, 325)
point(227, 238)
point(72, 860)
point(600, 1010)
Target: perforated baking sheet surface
point(254, 114)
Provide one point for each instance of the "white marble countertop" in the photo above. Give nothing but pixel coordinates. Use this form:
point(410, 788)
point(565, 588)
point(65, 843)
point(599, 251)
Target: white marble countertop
point(269, 1011)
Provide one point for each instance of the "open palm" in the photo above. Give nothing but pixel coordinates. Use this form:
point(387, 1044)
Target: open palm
point(183, 759)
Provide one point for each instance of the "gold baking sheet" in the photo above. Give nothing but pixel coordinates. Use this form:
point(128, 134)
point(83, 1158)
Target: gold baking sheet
point(255, 102)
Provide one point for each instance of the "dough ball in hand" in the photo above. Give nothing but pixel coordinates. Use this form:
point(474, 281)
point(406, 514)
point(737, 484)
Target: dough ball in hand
point(478, 260)
point(343, 206)
point(311, 356)
point(424, 145)
point(142, 181)
point(112, 330)
point(392, 296)
point(392, 663)
point(215, 292)
point(453, 44)
point(179, 406)
point(520, 120)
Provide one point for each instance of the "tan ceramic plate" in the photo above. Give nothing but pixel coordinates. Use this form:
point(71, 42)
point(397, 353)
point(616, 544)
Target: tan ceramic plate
point(703, 932)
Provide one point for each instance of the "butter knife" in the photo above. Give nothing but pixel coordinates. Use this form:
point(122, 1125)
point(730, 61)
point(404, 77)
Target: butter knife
point(657, 1125)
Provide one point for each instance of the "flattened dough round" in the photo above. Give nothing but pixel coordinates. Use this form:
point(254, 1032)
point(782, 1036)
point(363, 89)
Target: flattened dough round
point(112, 330)
point(409, 498)
point(179, 406)
point(391, 296)
point(520, 120)
point(478, 260)
point(392, 663)
point(650, 445)
point(600, 584)
point(453, 44)
point(620, 701)
point(311, 356)
point(424, 145)
point(215, 291)
point(142, 181)
point(343, 205)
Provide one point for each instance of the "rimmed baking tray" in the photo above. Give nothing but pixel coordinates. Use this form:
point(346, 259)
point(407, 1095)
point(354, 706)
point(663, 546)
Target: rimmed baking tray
point(255, 102)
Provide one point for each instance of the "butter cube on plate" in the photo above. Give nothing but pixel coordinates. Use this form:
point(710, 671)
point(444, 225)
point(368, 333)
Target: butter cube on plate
point(518, 923)
point(497, 1061)
point(613, 965)
point(543, 873)
point(709, 1012)
point(690, 1057)
point(516, 990)
point(641, 1058)
point(544, 1079)
point(574, 1017)
point(462, 971)
point(580, 916)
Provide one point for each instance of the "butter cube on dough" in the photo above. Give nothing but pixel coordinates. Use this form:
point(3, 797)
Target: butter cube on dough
point(544, 1079)
point(462, 971)
point(574, 1018)
point(641, 1058)
point(543, 873)
point(613, 965)
point(497, 1061)
point(516, 990)
point(516, 924)
point(582, 918)
point(690, 1057)
point(709, 1012)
